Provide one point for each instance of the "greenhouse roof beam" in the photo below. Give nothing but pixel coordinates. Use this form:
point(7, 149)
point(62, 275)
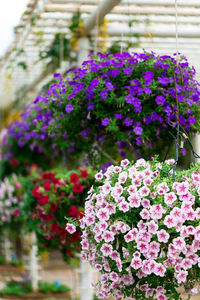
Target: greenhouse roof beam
point(153, 31)
point(131, 9)
point(58, 16)
point(98, 15)
point(139, 2)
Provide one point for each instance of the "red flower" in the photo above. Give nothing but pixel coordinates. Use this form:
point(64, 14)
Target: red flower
point(48, 175)
point(73, 211)
point(77, 188)
point(43, 200)
point(63, 233)
point(16, 213)
point(58, 182)
point(84, 173)
point(47, 185)
point(35, 192)
point(48, 217)
point(54, 207)
point(80, 214)
point(55, 227)
point(75, 237)
point(14, 162)
point(69, 252)
point(74, 178)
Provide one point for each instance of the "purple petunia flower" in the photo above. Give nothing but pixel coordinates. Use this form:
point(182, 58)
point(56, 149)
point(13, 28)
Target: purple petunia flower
point(139, 141)
point(105, 121)
point(128, 122)
point(181, 120)
point(160, 100)
point(118, 116)
point(109, 85)
point(85, 133)
point(129, 99)
point(90, 106)
point(128, 71)
point(105, 166)
point(69, 108)
point(147, 91)
point(148, 75)
point(114, 73)
point(104, 94)
point(138, 130)
point(164, 80)
point(191, 120)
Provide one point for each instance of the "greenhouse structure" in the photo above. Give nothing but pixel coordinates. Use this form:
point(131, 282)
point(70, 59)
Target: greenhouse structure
point(100, 151)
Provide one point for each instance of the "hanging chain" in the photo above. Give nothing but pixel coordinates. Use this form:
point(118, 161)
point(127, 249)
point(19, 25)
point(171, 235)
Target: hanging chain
point(176, 138)
point(97, 30)
point(176, 16)
point(122, 40)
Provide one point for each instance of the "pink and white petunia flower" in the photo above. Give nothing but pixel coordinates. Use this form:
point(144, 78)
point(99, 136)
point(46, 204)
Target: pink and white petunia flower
point(124, 206)
point(170, 198)
point(122, 177)
point(169, 221)
point(161, 297)
point(108, 236)
point(129, 237)
point(182, 276)
point(71, 228)
point(106, 249)
point(114, 276)
point(145, 214)
point(182, 188)
point(134, 200)
point(163, 236)
point(103, 214)
point(160, 270)
point(197, 213)
point(144, 191)
point(179, 243)
point(152, 227)
point(117, 169)
point(99, 176)
point(145, 203)
point(136, 263)
point(124, 163)
point(132, 189)
point(115, 255)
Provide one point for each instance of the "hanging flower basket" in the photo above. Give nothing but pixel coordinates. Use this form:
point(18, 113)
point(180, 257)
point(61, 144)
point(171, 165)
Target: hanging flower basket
point(24, 145)
point(141, 230)
point(124, 103)
point(125, 99)
point(53, 196)
point(10, 204)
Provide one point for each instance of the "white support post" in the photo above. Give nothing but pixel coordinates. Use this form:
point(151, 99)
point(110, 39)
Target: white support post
point(197, 147)
point(86, 290)
point(32, 261)
point(6, 246)
point(83, 50)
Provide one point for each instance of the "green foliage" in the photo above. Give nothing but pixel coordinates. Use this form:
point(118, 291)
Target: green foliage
point(1, 260)
point(59, 47)
point(16, 288)
point(24, 287)
point(75, 21)
point(23, 65)
point(47, 287)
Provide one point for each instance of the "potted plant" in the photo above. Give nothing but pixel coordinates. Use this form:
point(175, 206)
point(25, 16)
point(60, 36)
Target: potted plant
point(141, 230)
